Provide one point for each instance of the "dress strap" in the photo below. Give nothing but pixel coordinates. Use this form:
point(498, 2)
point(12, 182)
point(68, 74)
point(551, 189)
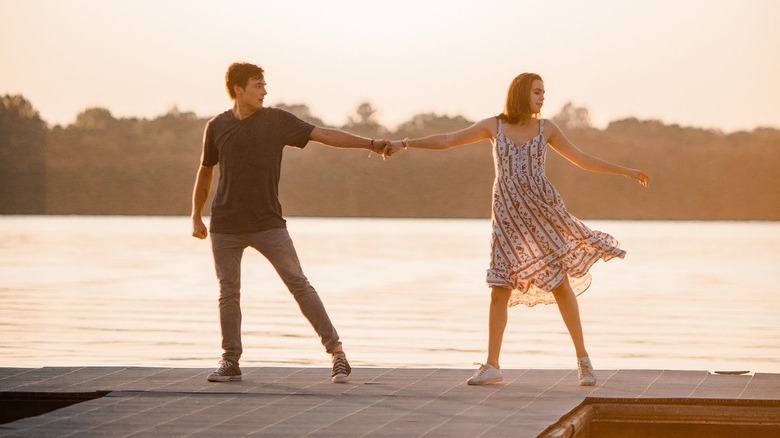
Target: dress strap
point(498, 126)
point(541, 127)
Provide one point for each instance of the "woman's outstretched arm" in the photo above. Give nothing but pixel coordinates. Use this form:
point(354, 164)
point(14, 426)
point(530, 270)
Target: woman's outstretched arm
point(568, 150)
point(481, 130)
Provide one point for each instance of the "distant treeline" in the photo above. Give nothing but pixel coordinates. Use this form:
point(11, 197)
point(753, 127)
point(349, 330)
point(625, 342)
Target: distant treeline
point(104, 165)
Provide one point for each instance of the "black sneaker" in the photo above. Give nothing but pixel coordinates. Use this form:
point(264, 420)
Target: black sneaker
point(226, 372)
point(342, 372)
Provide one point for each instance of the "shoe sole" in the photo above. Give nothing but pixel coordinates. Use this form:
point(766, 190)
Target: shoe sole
point(486, 382)
point(341, 379)
point(224, 379)
point(587, 383)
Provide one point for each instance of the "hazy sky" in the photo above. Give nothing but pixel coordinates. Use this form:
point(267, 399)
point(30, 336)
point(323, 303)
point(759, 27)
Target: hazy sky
point(706, 63)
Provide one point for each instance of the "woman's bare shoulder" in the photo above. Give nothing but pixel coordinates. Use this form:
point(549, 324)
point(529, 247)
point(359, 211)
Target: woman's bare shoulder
point(489, 124)
point(550, 127)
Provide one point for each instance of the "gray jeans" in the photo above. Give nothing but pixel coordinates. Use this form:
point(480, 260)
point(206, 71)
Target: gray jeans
point(278, 248)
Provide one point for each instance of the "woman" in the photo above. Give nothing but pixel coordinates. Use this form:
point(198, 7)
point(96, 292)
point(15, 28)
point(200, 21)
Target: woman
point(540, 252)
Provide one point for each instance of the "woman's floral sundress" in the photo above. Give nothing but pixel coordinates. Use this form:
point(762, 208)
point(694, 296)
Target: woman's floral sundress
point(536, 242)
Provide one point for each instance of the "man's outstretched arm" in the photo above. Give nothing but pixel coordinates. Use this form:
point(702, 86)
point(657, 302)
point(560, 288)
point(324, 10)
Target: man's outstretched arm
point(341, 139)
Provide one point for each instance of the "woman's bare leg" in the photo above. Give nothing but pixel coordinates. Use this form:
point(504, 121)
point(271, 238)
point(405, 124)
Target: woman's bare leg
point(499, 298)
point(570, 311)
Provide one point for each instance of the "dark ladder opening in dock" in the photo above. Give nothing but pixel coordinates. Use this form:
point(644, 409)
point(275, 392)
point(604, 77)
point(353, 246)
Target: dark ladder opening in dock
point(17, 405)
point(669, 418)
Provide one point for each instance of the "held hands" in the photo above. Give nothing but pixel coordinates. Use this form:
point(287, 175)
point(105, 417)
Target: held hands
point(395, 146)
point(379, 147)
point(387, 148)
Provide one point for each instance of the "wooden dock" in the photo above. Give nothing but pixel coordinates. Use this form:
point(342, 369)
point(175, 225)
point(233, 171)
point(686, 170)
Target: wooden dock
point(392, 402)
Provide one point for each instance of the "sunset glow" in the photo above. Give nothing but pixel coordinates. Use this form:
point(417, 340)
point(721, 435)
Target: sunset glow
point(701, 63)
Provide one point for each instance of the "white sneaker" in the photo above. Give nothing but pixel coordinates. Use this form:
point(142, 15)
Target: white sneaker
point(485, 375)
point(585, 373)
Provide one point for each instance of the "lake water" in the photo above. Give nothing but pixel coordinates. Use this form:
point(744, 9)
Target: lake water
point(139, 291)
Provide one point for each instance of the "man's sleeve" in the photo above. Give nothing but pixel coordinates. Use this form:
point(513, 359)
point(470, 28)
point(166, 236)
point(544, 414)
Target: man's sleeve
point(297, 132)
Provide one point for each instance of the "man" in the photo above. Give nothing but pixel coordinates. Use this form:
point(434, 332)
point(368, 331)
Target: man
point(247, 142)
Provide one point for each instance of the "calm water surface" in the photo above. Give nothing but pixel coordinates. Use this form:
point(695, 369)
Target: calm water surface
point(138, 291)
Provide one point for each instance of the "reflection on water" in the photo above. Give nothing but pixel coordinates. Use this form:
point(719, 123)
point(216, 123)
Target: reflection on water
point(139, 291)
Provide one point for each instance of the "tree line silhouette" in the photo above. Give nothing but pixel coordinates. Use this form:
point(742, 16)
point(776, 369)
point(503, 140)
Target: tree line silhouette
point(105, 165)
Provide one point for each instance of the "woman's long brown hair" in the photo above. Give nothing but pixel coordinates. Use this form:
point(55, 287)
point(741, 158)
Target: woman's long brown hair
point(518, 99)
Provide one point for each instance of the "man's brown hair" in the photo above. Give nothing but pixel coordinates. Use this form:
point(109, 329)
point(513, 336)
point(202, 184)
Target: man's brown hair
point(239, 73)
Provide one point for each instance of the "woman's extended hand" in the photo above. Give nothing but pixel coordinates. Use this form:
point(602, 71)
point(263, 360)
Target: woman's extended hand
point(638, 175)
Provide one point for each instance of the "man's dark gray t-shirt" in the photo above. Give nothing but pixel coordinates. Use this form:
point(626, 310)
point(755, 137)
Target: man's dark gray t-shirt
point(249, 154)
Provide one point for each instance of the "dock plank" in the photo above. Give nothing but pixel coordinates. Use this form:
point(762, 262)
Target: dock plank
point(289, 401)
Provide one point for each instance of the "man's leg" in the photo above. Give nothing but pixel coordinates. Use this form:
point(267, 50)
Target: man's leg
point(228, 250)
point(278, 248)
